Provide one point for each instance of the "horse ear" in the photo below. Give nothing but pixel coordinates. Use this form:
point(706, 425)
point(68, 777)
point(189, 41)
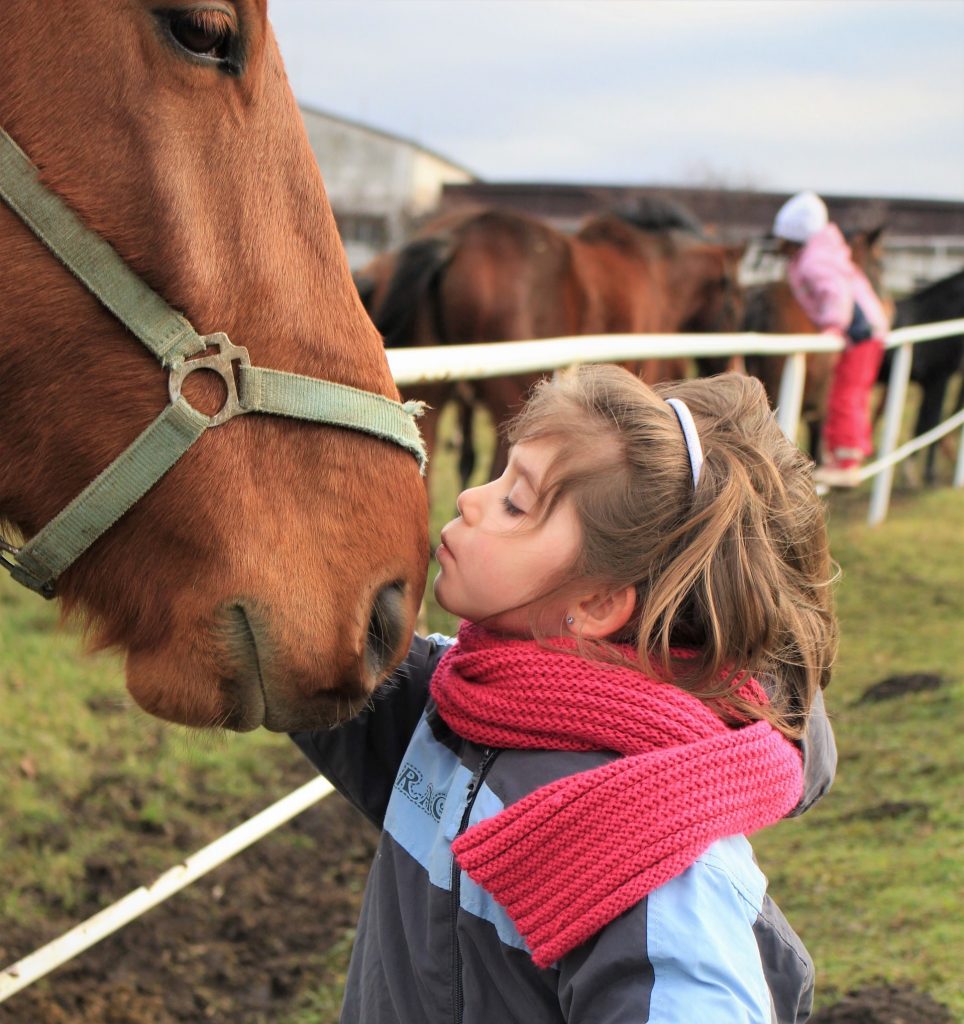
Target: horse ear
point(873, 236)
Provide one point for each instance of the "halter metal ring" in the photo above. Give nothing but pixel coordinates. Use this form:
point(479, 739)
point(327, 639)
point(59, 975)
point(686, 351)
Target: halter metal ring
point(222, 363)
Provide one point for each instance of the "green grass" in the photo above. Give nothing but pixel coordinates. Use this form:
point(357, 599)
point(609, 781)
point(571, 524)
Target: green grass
point(876, 899)
point(75, 747)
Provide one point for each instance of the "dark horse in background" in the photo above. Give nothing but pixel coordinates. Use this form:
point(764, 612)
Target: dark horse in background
point(772, 309)
point(934, 363)
point(496, 275)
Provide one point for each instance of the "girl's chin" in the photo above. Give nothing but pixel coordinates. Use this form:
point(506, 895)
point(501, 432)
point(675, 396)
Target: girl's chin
point(438, 589)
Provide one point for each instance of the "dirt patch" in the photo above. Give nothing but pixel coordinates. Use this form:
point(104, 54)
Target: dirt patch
point(239, 945)
point(899, 686)
point(244, 944)
point(889, 1004)
point(916, 810)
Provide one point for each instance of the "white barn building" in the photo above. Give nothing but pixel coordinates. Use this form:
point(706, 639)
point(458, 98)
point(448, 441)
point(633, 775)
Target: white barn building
point(379, 185)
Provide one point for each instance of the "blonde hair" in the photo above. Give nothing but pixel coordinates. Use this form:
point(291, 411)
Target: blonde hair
point(736, 571)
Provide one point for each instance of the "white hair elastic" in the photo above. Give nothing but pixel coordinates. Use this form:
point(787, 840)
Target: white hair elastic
point(693, 446)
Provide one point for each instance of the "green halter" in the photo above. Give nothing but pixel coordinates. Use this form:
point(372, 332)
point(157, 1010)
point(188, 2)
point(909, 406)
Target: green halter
point(172, 339)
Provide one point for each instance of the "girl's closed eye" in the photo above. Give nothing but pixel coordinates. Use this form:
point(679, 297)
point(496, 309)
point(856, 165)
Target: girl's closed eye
point(512, 509)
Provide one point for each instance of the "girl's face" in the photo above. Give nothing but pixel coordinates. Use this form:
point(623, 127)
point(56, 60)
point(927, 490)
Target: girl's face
point(496, 559)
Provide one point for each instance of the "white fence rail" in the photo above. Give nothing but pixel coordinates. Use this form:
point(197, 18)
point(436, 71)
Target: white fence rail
point(469, 362)
point(497, 359)
point(502, 358)
point(112, 918)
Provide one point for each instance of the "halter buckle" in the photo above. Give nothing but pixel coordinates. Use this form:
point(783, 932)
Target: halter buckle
point(222, 363)
point(43, 587)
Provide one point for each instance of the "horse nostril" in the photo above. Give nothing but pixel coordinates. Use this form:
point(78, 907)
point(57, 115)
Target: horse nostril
point(385, 627)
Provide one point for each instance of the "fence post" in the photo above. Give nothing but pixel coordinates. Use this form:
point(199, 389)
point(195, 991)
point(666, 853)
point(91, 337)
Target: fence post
point(790, 399)
point(893, 414)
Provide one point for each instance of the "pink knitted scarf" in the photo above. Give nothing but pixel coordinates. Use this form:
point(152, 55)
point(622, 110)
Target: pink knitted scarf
point(571, 856)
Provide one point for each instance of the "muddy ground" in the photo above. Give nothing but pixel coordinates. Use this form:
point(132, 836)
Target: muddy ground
point(239, 945)
point(249, 939)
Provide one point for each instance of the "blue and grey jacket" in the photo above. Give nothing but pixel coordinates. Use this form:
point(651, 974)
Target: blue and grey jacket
point(708, 947)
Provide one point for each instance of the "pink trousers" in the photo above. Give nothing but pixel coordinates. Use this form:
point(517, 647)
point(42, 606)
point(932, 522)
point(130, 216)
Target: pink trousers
point(847, 430)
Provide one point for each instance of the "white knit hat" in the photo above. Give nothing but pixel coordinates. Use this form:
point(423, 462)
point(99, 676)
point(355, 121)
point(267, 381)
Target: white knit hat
point(800, 217)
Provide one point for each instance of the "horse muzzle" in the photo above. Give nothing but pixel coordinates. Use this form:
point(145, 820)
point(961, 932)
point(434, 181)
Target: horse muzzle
point(264, 682)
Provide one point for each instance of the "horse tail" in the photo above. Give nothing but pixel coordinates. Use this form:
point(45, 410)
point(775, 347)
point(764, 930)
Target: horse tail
point(411, 299)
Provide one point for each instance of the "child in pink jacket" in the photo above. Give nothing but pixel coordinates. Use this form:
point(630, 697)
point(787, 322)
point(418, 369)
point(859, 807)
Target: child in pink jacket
point(837, 296)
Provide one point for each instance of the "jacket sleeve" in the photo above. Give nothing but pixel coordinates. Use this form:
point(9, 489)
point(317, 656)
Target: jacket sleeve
point(361, 758)
point(828, 297)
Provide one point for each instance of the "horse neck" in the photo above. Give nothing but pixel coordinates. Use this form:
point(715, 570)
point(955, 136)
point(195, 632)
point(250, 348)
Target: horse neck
point(690, 271)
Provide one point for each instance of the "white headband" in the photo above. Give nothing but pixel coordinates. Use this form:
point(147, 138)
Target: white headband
point(693, 445)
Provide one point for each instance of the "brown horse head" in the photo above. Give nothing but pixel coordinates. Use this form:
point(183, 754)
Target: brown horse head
point(707, 286)
point(700, 278)
point(272, 577)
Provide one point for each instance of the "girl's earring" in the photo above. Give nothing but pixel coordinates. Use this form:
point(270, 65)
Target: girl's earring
point(569, 620)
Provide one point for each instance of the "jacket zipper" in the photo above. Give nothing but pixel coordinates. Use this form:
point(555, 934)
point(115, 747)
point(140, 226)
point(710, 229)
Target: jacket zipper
point(475, 783)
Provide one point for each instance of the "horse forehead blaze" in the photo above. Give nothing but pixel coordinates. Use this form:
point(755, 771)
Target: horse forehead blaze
point(274, 574)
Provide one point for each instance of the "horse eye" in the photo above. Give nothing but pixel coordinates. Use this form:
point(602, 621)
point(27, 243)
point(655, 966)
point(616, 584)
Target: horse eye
point(205, 32)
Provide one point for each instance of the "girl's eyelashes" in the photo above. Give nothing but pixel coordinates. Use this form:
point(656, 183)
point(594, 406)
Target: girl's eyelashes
point(513, 510)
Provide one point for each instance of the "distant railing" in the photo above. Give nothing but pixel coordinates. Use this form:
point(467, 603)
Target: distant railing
point(470, 362)
point(498, 359)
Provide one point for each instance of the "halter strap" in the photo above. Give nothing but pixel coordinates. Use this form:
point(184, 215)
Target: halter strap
point(93, 260)
point(173, 341)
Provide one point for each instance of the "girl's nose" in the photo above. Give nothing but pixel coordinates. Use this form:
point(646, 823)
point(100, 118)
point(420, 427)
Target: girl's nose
point(465, 503)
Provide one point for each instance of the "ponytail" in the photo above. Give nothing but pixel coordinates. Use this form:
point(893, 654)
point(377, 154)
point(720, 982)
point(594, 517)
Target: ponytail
point(733, 576)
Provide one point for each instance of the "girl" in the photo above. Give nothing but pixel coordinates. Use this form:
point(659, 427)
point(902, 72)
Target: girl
point(563, 790)
point(835, 293)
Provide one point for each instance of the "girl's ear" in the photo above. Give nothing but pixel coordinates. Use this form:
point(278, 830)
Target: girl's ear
point(599, 615)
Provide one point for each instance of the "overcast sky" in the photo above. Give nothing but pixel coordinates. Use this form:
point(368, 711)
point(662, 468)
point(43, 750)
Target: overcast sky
point(842, 96)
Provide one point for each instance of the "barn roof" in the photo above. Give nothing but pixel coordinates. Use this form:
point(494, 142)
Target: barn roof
point(740, 213)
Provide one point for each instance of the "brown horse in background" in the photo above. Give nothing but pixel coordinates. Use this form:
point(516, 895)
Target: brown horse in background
point(772, 309)
point(273, 576)
point(496, 275)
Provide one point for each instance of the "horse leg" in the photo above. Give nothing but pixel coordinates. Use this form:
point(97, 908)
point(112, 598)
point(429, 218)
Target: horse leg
point(815, 433)
point(818, 376)
point(466, 404)
point(928, 416)
point(710, 366)
point(737, 364)
point(650, 371)
point(503, 397)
